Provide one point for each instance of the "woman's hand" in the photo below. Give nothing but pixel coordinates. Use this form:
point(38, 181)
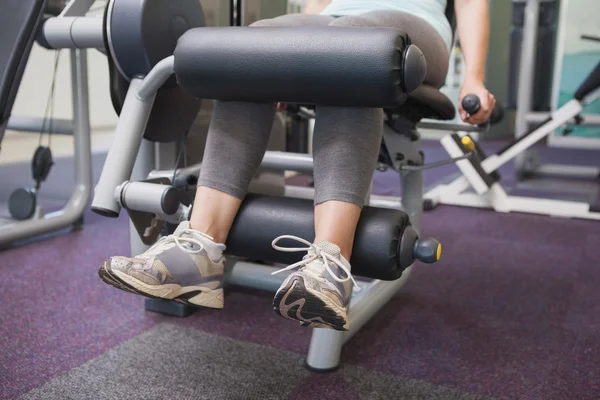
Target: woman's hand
point(488, 102)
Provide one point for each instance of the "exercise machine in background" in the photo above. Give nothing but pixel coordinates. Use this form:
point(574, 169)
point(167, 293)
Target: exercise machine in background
point(21, 27)
point(480, 186)
point(537, 54)
point(480, 183)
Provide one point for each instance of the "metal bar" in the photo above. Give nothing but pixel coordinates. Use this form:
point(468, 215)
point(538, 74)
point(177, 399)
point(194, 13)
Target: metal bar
point(259, 276)
point(448, 126)
point(412, 197)
point(144, 162)
point(326, 344)
point(166, 155)
point(287, 161)
point(527, 65)
point(275, 160)
point(255, 276)
point(147, 197)
point(74, 32)
point(128, 136)
point(325, 349)
point(539, 117)
point(156, 78)
point(565, 113)
point(568, 171)
point(573, 142)
point(76, 206)
point(37, 125)
point(526, 78)
point(375, 296)
point(81, 117)
point(121, 157)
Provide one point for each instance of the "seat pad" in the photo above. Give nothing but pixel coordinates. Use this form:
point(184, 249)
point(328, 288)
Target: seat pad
point(332, 66)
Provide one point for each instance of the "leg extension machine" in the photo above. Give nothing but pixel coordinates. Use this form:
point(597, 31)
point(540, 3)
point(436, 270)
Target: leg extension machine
point(227, 64)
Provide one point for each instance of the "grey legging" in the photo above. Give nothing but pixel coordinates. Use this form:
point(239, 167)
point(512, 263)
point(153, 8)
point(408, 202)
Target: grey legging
point(346, 140)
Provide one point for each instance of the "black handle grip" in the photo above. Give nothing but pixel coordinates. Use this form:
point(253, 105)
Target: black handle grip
point(471, 104)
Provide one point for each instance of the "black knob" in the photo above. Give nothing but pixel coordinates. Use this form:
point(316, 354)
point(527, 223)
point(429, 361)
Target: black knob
point(428, 251)
point(470, 103)
point(412, 248)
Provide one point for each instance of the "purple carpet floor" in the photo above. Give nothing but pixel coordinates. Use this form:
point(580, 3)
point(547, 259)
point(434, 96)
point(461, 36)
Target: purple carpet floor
point(511, 312)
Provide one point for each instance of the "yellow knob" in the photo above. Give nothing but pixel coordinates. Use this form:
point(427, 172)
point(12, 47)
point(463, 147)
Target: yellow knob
point(438, 253)
point(468, 143)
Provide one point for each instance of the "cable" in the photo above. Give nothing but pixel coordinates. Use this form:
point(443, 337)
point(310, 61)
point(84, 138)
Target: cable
point(49, 112)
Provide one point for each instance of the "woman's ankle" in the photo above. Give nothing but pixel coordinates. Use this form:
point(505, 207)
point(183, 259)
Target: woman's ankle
point(213, 213)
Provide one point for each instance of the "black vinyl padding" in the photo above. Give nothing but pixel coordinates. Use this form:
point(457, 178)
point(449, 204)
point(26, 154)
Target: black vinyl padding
point(591, 83)
point(428, 102)
point(335, 66)
point(19, 22)
point(263, 218)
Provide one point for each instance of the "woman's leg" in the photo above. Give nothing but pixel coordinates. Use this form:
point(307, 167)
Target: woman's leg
point(346, 147)
point(236, 144)
point(346, 141)
point(188, 266)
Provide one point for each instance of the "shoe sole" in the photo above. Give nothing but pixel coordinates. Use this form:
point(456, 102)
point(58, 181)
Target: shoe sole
point(297, 303)
point(206, 298)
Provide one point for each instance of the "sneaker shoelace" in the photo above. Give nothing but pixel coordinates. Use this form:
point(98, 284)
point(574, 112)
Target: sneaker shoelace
point(315, 253)
point(179, 241)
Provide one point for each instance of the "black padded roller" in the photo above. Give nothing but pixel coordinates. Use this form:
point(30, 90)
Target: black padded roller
point(385, 243)
point(336, 66)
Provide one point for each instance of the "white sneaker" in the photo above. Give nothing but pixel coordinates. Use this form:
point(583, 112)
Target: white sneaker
point(318, 294)
point(186, 266)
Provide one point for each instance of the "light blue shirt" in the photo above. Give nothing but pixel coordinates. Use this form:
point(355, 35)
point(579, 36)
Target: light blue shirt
point(432, 11)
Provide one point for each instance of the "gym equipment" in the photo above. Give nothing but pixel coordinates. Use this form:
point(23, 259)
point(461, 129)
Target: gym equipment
point(545, 46)
point(528, 163)
point(22, 203)
point(480, 171)
point(257, 64)
point(21, 22)
point(135, 36)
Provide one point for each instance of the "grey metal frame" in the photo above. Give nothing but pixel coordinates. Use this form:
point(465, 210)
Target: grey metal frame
point(528, 163)
point(36, 125)
point(74, 31)
point(129, 134)
point(326, 345)
point(72, 212)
